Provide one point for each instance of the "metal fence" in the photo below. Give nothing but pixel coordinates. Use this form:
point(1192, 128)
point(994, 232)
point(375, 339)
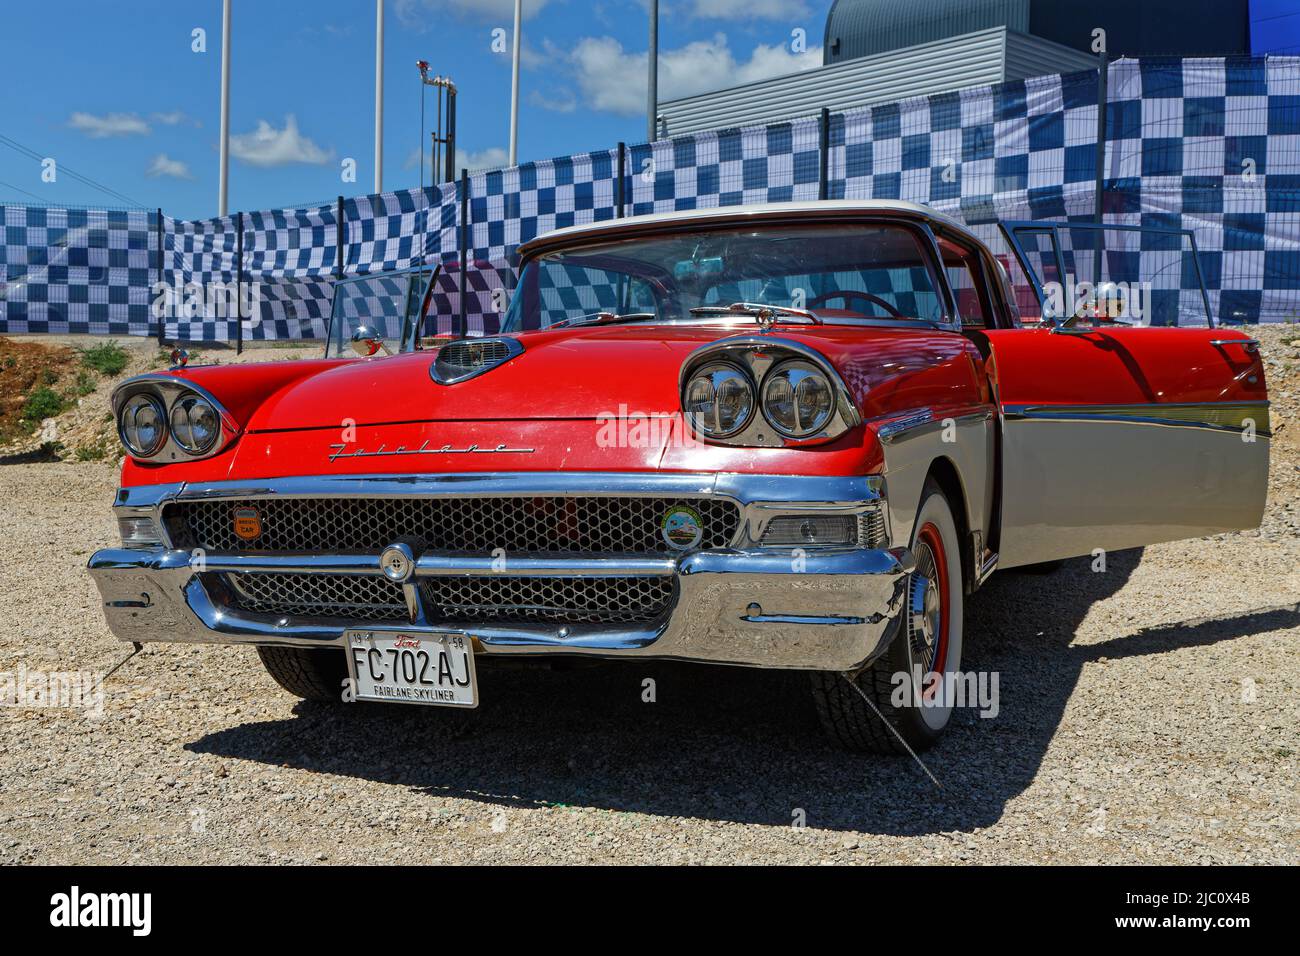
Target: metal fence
point(1211, 145)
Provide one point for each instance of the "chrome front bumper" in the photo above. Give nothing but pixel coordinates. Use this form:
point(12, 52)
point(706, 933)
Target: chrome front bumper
point(815, 608)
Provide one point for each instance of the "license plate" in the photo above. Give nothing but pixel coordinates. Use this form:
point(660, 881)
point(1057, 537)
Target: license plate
point(412, 667)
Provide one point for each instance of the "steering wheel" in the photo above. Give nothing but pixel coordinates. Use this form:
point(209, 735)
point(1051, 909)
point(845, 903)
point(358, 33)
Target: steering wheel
point(847, 294)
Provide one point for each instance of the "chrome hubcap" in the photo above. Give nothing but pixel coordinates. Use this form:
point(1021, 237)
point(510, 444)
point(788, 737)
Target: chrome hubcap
point(925, 607)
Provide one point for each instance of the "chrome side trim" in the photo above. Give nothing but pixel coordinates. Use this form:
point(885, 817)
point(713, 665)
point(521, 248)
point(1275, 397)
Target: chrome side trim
point(1221, 416)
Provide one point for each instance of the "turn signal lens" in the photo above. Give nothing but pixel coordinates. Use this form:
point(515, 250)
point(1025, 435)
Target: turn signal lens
point(799, 530)
point(798, 400)
point(142, 425)
point(719, 400)
point(138, 532)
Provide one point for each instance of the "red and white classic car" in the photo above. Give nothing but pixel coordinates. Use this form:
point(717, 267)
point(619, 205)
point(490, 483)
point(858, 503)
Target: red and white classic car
point(791, 436)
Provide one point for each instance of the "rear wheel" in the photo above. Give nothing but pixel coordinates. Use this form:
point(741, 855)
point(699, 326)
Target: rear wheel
point(900, 688)
point(307, 672)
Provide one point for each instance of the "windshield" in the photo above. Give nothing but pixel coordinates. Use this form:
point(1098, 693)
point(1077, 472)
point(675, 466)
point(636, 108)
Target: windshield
point(388, 303)
point(854, 274)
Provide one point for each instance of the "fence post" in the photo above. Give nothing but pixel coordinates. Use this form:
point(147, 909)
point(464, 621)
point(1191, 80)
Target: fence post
point(824, 155)
point(239, 283)
point(622, 173)
point(338, 240)
point(464, 245)
point(162, 261)
point(1099, 208)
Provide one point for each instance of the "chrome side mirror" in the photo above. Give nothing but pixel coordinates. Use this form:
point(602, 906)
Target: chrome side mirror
point(366, 341)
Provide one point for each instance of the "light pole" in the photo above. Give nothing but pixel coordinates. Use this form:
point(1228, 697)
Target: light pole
point(514, 86)
point(652, 91)
point(224, 175)
point(379, 96)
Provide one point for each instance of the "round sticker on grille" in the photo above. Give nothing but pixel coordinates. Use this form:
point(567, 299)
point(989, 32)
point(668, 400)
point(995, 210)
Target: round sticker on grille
point(682, 528)
point(248, 523)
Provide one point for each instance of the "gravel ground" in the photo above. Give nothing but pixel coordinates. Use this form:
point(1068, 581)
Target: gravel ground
point(1149, 714)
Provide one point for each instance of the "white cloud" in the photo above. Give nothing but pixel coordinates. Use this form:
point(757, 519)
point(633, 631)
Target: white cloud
point(749, 9)
point(112, 124)
point(614, 80)
point(163, 165)
point(268, 146)
point(421, 14)
point(558, 101)
point(494, 157)
point(174, 118)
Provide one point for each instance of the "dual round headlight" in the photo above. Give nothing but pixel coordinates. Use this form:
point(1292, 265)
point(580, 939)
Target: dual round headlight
point(144, 424)
point(195, 423)
point(798, 399)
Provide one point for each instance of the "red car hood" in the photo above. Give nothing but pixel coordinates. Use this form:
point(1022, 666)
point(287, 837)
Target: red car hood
point(583, 373)
point(569, 374)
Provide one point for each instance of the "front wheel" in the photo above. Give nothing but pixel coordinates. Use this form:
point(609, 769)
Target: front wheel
point(308, 672)
point(898, 702)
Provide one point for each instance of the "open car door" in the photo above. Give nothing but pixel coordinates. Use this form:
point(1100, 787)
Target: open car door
point(1121, 425)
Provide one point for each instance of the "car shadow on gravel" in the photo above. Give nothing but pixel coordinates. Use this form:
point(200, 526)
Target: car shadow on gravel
point(733, 744)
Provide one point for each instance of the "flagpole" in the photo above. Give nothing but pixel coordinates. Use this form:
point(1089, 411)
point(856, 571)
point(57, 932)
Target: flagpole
point(379, 96)
point(225, 109)
point(514, 86)
point(652, 87)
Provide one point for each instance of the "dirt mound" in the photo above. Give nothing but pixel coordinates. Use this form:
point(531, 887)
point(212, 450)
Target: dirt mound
point(30, 376)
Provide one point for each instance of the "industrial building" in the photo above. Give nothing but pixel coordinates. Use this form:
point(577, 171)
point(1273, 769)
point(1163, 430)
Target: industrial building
point(877, 51)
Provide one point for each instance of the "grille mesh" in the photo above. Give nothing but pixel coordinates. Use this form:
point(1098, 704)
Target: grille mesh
point(526, 600)
point(596, 525)
point(352, 596)
point(472, 355)
point(497, 599)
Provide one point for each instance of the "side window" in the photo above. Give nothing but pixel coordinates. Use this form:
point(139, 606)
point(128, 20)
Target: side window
point(966, 279)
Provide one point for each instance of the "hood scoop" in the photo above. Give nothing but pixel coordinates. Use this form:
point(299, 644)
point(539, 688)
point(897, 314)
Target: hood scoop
point(465, 358)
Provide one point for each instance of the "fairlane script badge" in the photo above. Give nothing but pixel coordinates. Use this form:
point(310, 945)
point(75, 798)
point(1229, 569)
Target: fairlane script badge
point(424, 449)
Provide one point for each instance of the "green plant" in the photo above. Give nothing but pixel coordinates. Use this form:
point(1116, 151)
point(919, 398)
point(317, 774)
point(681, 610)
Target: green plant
point(42, 403)
point(94, 452)
point(85, 383)
point(49, 376)
point(107, 358)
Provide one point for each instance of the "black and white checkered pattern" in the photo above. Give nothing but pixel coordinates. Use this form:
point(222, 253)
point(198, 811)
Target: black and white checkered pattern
point(76, 270)
point(1211, 145)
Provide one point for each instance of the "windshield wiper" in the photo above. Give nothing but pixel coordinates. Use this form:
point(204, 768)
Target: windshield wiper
point(604, 318)
point(765, 314)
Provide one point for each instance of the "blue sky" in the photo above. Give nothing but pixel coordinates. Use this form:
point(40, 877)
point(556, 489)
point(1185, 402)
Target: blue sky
point(114, 92)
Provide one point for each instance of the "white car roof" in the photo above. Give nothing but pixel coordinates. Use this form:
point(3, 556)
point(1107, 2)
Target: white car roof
point(845, 208)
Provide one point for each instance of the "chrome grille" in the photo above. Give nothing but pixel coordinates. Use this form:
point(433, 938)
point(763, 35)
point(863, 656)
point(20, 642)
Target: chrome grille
point(495, 599)
point(352, 596)
point(471, 355)
point(580, 524)
point(871, 528)
point(506, 599)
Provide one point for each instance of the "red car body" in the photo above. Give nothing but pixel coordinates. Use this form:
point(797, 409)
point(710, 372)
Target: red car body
point(973, 444)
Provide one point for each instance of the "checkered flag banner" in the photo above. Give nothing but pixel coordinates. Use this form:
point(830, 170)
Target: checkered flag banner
point(76, 270)
point(1210, 145)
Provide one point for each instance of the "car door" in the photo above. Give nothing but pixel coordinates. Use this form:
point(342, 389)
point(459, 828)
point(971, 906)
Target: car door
point(1117, 436)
